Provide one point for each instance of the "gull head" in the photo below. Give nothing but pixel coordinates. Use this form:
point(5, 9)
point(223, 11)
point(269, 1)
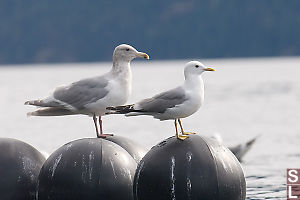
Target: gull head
point(125, 52)
point(196, 68)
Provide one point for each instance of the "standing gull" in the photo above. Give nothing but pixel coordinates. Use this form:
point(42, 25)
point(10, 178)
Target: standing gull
point(92, 95)
point(174, 104)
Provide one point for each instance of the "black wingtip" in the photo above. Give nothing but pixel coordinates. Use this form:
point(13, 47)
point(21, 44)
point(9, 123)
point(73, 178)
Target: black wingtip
point(108, 113)
point(111, 108)
point(120, 109)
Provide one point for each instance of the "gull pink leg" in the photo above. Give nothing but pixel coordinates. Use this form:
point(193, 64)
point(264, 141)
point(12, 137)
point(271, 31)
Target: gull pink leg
point(100, 123)
point(101, 130)
point(95, 122)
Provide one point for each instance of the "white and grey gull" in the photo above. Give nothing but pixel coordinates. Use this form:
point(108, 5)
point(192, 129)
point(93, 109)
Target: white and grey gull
point(173, 104)
point(92, 95)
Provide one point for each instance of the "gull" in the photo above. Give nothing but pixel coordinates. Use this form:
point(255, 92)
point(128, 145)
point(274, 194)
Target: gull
point(92, 95)
point(239, 150)
point(173, 104)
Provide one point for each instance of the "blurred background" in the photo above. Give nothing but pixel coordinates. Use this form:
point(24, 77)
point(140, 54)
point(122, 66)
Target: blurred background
point(87, 31)
point(253, 45)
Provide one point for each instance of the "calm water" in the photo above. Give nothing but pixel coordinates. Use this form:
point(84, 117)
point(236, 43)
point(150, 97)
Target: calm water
point(244, 98)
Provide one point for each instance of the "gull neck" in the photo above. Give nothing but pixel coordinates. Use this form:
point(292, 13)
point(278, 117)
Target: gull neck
point(120, 66)
point(193, 80)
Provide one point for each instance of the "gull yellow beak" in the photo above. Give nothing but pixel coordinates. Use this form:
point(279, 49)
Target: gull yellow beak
point(142, 55)
point(209, 69)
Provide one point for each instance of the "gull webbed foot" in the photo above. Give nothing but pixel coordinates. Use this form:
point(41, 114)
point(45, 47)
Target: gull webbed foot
point(188, 133)
point(182, 137)
point(105, 135)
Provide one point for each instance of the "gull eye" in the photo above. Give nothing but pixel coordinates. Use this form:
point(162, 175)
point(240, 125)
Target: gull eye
point(127, 49)
point(197, 66)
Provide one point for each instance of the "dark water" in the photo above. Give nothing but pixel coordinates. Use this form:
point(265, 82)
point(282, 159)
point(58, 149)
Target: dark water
point(244, 98)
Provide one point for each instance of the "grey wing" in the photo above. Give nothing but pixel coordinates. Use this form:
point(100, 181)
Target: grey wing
point(161, 102)
point(83, 92)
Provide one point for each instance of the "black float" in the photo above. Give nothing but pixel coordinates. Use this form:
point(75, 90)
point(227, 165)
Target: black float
point(196, 168)
point(91, 168)
point(20, 165)
point(134, 149)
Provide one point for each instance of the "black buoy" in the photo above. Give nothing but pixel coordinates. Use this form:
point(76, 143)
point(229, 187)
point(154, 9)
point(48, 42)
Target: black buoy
point(134, 149)
point(195, 168)
point(91, 168)
point(20, 165)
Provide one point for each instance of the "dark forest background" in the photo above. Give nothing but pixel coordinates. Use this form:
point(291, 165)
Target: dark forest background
point(88, 30)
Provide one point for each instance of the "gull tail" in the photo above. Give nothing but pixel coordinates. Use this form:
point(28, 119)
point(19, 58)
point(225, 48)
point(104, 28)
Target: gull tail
point(121, 109)
point(50, 112)
point(42, 103)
